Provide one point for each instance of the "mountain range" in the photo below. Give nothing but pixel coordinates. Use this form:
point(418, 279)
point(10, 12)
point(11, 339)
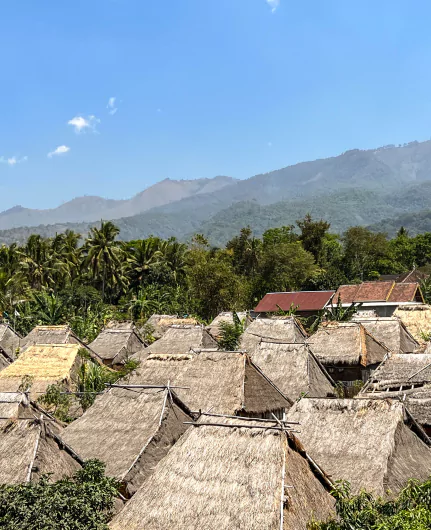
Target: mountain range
point(380, 187)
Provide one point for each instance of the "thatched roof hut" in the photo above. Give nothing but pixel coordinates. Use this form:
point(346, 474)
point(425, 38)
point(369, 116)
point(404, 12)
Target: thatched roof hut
point(373, 444)
point(137, 426)
point(417, 319)
point(160, 323)
point(346, 343)
point(294, 369)
point(225, 476)
point(284, 329)
point(46, 364)
point(117, 342)
point(50, 335)
point(225, 382)
point(30, 444)
point(214, 328)
point(400, 371)
point(9, 340)
point(180, 340)
point(391, 332)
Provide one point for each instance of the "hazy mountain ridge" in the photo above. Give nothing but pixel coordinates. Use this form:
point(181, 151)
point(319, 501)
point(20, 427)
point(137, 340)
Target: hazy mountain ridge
point(94, 208)
point(356, 187)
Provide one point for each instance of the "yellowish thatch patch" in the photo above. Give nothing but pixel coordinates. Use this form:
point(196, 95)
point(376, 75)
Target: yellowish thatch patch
point(417, 319)
point(44, 362)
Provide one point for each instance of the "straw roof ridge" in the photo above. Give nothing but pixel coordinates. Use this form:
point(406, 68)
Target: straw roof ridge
point(369, 442)
point(62, 334)
point(223, 477)
point(115, 344)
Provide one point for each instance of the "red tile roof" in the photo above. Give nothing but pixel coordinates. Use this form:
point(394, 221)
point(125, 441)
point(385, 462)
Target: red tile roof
point(377, 292)
point(304, 300)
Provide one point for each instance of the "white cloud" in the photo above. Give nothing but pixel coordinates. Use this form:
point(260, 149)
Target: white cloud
point(13, 160)
point(60, 150)
point(273, 4)
point(111, 106)
point(80, 124)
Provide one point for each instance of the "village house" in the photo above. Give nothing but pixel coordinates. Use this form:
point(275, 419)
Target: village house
point(52, 335)
point(225, 382)
point(157, 325)
point(348, 351)
point(138, 426)
point(390, 331)
point(305, 303)
point(227, 473)
point(294, 369)
point(214, 328)
point(45, 365)
point(414, 275)
point(179, 339)
point(383, 298)
point(116, 343)
point(373, 444)
point(30, 443)
point(276, 329)
point(9, 341)
point(417, 319)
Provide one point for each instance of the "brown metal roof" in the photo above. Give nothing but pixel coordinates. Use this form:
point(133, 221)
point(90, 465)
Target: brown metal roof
point(303, 300)
point(377, 292)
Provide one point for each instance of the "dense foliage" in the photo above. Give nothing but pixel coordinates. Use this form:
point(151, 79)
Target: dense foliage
point(410, 510)
point(82, 502)
point(88, 282)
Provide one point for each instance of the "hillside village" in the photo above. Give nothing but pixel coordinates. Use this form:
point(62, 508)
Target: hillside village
point(248, 419)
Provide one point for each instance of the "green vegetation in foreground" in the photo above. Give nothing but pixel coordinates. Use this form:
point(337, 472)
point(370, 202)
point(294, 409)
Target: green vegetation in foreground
point(82, 502)
point(410, 510)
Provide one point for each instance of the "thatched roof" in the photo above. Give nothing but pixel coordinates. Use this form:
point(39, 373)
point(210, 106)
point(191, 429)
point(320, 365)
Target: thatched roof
point(46, 363)
point(214, 327)
point(137, 426)
point(286, 330)
point(220, 478)
point(417, 319)
point(180, 339)
point(161, 323)
point(368, 442)
point(400, 371)
point(346, 343)
point(115, 343)
point(391, 332)
point(9, 340)
point(29, 443)
point(294, 369)
point(225, 382)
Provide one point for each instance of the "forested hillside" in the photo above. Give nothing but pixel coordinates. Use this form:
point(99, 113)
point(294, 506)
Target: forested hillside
point(55, 280)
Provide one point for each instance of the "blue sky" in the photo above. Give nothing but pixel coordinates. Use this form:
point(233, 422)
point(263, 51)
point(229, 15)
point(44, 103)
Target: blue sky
point(201, 88)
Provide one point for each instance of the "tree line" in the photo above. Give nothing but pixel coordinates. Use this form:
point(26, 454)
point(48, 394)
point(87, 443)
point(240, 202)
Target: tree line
point(85, 282)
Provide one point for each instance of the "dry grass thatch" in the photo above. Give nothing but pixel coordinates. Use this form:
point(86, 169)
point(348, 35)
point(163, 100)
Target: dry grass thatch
point(417, 319)
point(226, 382)
point(364, 441)
point(391, 332)
point(224, 478)
point(49, 335)
point(346, 343)
point(286, 330)
point(160, 323)
point(115, 344)
point(180, 339)
point(9, 340)
point(401, 371)
point(137, 427)
point(293, 369)
point(214, 328)
point(46, 364)
point(29, 443)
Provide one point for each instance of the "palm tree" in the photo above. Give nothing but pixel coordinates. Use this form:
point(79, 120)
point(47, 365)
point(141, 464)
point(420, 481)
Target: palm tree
point(47, 308)
point(103, 254)
point(175, 256)
point(36, 262)
point(144, 254)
